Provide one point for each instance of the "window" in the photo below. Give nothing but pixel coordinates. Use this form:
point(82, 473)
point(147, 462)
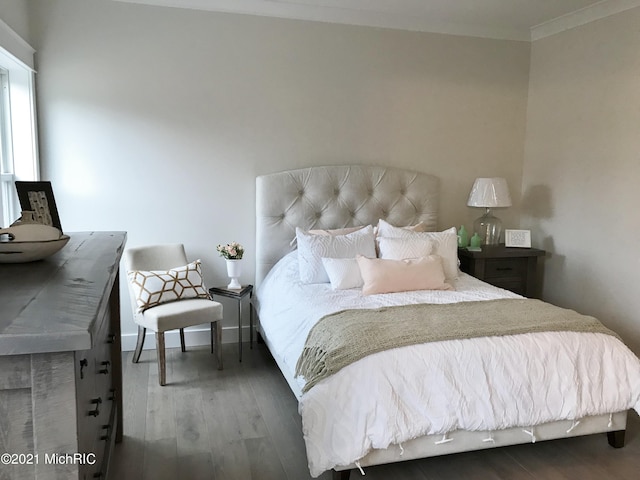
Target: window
point(18, 151)
point(6, 166)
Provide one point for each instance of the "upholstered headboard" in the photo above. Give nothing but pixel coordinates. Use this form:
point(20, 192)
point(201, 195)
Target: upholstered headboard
point(336, 197)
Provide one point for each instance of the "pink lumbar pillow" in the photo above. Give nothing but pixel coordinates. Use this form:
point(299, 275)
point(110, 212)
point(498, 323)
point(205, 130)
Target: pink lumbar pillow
point(386, 276)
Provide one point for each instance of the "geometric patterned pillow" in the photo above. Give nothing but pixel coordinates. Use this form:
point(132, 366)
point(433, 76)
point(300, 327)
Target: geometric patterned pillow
point(154, 287)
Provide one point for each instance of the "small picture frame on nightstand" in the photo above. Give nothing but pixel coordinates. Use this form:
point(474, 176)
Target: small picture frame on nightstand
point(517, 238)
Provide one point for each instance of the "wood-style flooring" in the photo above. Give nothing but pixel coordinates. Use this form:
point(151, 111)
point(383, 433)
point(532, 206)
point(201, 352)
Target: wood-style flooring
point(242, 423)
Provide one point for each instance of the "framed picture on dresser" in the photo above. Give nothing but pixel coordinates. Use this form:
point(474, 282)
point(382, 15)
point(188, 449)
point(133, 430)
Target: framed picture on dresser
point(38, 198)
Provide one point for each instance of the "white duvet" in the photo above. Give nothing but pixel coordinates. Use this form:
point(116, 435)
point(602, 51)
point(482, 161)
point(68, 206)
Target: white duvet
point(480, 384)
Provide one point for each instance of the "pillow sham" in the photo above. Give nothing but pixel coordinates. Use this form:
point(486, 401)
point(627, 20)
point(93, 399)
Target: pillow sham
point(154, 287)
point(444, 243)
point(385, 229)
point(388, 276)
point(401, 248)
point(343, 273)
point(334, 231)
point(311, 249)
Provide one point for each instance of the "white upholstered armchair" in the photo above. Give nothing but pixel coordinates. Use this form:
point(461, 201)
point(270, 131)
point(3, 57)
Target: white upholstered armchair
point(167, 293)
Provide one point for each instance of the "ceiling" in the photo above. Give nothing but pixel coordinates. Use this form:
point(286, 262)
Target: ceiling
point(503, 19)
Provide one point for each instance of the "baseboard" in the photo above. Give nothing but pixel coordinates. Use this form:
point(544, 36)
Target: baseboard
point(194, 337)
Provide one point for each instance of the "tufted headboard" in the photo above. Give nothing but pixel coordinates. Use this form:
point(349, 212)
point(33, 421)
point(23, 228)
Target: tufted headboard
point(336, 197)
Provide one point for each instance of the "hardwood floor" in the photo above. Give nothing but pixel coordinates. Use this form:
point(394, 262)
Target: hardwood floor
point(242, 423)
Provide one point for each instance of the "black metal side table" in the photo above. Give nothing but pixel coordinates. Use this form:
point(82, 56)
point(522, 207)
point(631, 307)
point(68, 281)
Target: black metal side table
point(238, 295)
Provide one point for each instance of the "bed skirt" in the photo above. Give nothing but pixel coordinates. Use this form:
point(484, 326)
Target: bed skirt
point(465, 441)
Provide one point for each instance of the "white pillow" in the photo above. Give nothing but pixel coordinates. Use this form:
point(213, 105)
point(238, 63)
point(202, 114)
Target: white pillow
point(335, 231)
point(401, 248)
point(343, 273)
point(311, 249)
point(385, 229)
point(444, 244)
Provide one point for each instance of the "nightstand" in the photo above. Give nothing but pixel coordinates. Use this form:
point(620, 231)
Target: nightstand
point(510, 268)
point(239, 296)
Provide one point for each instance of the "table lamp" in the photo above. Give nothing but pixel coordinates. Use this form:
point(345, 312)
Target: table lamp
point(489, 193)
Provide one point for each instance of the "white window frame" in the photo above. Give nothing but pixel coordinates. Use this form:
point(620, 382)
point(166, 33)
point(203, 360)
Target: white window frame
point(19, 154)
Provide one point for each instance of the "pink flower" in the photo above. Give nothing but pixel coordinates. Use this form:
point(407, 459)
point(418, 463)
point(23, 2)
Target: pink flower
point(231, 251)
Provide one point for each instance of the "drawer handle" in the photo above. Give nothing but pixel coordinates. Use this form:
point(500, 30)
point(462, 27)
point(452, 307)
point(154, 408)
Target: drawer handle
point(107, 433)
point(111, 338)
point(96, 411)
point(504, 269)
point(83, 363)
point(106, 364)
point(112, 397)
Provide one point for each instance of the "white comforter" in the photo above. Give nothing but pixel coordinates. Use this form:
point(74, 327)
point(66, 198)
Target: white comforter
point(478, 384)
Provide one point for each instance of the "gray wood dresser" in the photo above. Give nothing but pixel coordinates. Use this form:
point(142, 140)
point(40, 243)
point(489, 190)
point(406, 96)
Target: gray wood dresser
point(60, 362)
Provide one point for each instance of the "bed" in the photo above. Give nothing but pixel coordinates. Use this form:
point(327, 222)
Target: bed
point(424, 399)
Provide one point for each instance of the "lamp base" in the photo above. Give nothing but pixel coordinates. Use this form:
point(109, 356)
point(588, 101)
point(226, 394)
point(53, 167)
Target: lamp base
point(489, 228)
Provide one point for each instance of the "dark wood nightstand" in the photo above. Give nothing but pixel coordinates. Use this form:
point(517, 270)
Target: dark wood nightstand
point(510, 268)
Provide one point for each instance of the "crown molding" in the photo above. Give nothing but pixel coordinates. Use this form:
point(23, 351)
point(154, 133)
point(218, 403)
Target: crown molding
point(389, 19)
point(597, 11)
point(345, 16)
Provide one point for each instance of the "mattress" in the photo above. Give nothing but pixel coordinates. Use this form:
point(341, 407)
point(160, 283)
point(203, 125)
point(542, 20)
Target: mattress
point(483, 384)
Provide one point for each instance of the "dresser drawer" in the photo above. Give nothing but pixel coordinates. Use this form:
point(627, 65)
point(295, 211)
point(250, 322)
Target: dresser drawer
point(95, 401)
point(104, 361)
point(514, 285)
point(85, 394)
point(505, 268)
point(104, 443)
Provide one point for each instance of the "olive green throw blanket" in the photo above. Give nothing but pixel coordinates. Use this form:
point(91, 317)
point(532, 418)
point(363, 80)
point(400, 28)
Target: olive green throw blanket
point(344, 337)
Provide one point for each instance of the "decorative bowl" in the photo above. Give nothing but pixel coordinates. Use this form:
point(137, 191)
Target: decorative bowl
point(30, 251)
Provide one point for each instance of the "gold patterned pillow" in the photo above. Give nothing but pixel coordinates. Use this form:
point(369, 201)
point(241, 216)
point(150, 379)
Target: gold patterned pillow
point(154, 287)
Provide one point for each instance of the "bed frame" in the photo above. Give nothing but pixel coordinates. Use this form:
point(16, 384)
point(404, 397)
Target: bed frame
point(350, 195)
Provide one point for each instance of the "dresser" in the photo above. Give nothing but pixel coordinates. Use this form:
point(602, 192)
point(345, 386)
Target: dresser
point(60, 361)
point(510, 268)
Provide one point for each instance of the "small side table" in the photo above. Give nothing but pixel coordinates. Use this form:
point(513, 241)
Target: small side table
point(239, 296)
point(510, 268)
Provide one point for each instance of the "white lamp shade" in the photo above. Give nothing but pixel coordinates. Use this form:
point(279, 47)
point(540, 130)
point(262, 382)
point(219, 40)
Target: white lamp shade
point(489, 193)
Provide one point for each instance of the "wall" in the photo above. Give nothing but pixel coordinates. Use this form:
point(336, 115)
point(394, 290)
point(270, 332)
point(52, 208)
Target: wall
point(157, 120)
point(581, 169)
point(16, 15)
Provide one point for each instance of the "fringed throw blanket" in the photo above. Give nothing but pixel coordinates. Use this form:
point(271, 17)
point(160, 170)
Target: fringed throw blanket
point(344, 337)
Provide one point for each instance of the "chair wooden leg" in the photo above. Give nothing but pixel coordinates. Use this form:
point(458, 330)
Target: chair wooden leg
point(139, 344)
point(162, 370)
point(182, 346)
point(216, 339)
